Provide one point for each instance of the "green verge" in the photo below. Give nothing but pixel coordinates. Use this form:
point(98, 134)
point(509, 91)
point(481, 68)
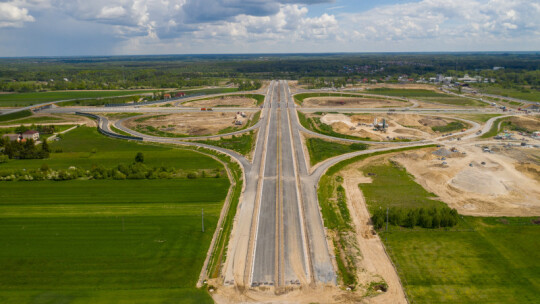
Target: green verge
point(242, 144)
point(28, 99)
point(405, 92)
point(15, 115)
point(337, 218)
point(107, 241)
point(454, 125)
point(320, 149)
point(259, 99)
point(34, 120)
point(220, 249)
point(495, 128)
point(118, 131)
point(299, 98)
point(525, 94)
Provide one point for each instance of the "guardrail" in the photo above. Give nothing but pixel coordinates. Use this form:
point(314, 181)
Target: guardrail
point(145, 103)
point(105, 132)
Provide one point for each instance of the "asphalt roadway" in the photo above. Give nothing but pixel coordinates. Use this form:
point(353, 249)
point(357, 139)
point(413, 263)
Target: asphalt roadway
point(278, 236)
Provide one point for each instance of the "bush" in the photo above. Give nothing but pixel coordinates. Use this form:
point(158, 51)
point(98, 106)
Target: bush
point(139, 158)
point(192, 175)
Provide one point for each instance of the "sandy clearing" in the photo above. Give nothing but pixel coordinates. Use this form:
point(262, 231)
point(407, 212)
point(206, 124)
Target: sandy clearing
point(195, 124)
point(243, 102)
point(398, 127)
point(374, 262)
point(352, 102)
point(495, 188)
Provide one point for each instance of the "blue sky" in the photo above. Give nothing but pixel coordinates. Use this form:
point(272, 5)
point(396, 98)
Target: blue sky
point(118, 27)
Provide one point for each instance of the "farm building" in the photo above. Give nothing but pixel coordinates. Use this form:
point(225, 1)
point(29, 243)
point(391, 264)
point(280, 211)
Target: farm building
point(31, 134)
point(12, 137)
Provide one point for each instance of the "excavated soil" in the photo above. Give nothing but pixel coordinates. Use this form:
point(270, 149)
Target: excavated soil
point(478, 183)
point(410, 126)
point(243, 102)
point(194, 124)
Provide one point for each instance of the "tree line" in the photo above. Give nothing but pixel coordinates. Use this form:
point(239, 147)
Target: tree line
point(436, 217)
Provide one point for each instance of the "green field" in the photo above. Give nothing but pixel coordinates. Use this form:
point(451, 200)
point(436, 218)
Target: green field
point(477, 117)
point(320, 149)
point(28, 99)
point(242, 144)
point(453, 126)
point(454, 100)
point(33, 120)
point(299, 98)
point(525, 94)
point(405, 92)
point(15, 115)
point(258, 98)
point(336, 216)
point(428, 96)
point(481, 260)
point(107, 241)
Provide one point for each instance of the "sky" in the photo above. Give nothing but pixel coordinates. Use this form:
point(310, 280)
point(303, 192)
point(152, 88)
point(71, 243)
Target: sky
point(137, 27)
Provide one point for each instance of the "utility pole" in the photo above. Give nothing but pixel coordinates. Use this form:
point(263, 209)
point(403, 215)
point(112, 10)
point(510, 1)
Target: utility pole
point(387, 223)
point(202, 219)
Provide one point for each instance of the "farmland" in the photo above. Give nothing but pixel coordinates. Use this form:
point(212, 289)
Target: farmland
point(107, 241)
point(28, 99)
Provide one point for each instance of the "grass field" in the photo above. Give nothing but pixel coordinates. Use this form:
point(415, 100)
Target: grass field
point(453, 126)
point(84, 147)
point(28, 99)
point(481, 260)
point(428, 96)
point(299, 98)
point(259, 99)
point(405, 92)
point(336, 216)
point(40, 120)
point(454, 100)
point(320, 149)
point(242, 144)
point(477, 117)
point(15, 115)
point(527, 94)
point(107, 241)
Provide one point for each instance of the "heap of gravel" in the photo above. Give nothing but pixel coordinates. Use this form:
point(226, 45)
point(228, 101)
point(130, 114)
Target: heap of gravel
point(442, 152)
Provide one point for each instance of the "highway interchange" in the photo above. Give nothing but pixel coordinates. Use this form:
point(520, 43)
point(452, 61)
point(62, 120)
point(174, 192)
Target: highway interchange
point(278, 239)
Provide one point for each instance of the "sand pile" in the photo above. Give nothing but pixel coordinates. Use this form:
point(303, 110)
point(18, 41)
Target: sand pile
point(476, 180)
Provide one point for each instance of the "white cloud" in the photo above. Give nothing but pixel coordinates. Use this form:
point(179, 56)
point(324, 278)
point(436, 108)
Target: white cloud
point(11, 15)
point(445, 19)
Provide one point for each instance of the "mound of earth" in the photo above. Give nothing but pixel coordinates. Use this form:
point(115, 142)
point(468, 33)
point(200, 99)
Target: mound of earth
point(476, 180)
point(477, 183)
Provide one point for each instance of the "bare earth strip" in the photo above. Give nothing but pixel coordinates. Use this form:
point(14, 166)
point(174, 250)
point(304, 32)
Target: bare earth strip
point(374, 259)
